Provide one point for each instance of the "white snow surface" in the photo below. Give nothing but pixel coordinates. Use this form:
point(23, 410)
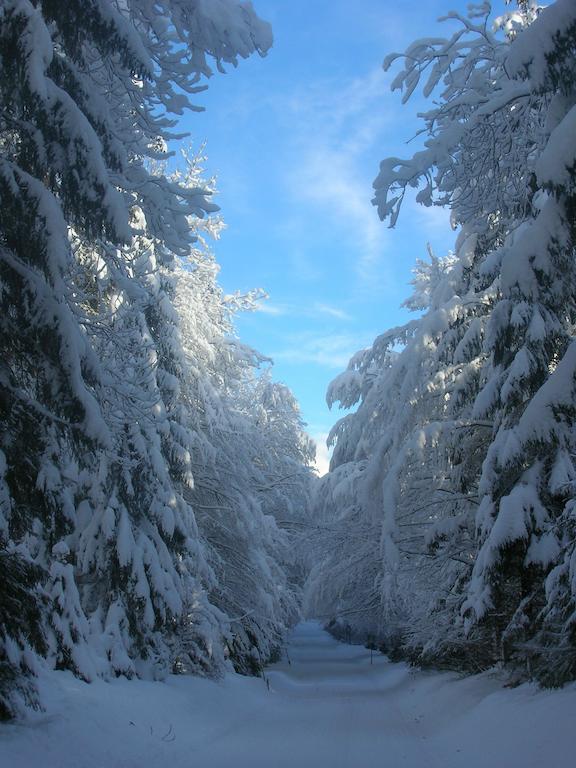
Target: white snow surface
point(330, 705)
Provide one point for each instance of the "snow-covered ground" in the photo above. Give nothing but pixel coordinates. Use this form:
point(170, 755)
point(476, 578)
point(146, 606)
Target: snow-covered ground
point(330, 707)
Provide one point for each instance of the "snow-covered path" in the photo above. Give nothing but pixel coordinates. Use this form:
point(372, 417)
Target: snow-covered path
point(335, 706)
point(330, 707)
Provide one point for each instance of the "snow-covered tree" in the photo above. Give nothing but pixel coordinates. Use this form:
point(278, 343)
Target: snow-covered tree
point(468, 429)
point(391, 480)
point(250, 460)
point(87, 92)
point(521, 581)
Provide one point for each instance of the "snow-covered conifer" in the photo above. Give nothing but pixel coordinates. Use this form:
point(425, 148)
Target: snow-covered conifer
point(483, 419)
point(87, 93)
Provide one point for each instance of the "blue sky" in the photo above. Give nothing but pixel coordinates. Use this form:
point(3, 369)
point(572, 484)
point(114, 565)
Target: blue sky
point(295, 140)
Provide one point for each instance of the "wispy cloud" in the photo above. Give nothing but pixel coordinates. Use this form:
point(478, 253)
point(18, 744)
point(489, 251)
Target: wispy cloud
point(326, 309)
point(330, 350)
point(314, 310)
point(332, 181)
point(337, 133)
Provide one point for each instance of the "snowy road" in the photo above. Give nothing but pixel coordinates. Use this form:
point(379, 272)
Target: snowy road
point(329, 708)
point(332, 707)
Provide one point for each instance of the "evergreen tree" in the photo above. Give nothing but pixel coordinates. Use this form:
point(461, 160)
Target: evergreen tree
point(475, 413)
point(527, 496)
point(86, 90)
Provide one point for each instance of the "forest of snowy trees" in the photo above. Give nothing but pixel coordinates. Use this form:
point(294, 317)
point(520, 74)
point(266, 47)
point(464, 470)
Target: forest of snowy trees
point(158, 507)
point(151, 478)
point(449, 518)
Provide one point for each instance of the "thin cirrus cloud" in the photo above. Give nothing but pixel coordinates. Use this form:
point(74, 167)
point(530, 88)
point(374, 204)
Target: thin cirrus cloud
point(326, 309)
point(337, 132)
point(314, 310)
point(329, 351)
